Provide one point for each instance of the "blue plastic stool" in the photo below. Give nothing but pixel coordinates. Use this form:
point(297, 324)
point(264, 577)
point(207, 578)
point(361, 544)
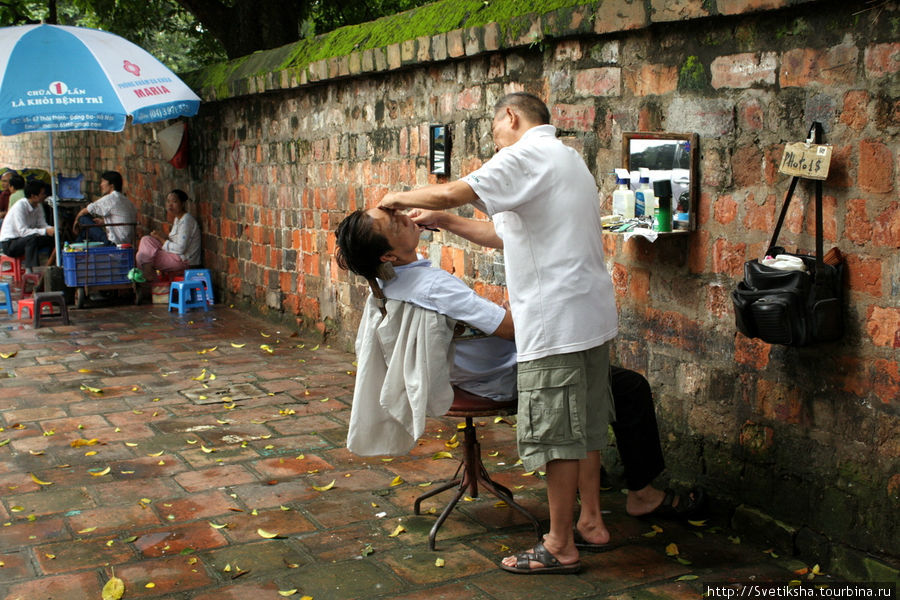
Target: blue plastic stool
point(187, 294)
point(7, 303)
point(204, 276)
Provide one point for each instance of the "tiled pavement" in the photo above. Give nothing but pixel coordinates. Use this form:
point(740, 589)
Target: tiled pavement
point(199, 431)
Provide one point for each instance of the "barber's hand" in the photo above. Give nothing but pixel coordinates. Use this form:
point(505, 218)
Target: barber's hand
point(427, 219)
point(389, 201)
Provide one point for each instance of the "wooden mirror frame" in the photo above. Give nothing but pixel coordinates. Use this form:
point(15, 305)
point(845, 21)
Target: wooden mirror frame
point(692, 140)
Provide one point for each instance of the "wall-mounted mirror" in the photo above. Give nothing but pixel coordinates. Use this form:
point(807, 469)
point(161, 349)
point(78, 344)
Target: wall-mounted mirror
point(672, 156)
point(439, 153)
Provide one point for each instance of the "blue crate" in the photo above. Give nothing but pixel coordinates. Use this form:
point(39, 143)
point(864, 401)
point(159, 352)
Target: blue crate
point(104, 265)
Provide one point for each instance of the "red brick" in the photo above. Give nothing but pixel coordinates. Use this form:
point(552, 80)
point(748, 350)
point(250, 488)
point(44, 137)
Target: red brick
point(243, 528)
point(698, 251)
point(886, 380)
point(752, 115)
point(573, 117)
point(652, 80)
point(203, 505)
point(778, 402)
point(864, 274)
point(843, 161)
point(80, 554)
point(744, 70)
point(725, 210)
point(802, 67)
point(77, 586)
point(111, 519)
point(739, 7)
point(751, 352)
point(771, 162)
point(876, 167)
point(855, 112)
point(194, 481)
point(568, 50)
point(470, 99)
point(857, 227)
point(882, 59)
point(27, 533)
point(169, 541)
point(614, 17)
point(718, 303)
point(883, 326)
point(602, 81)
point(639, 286)
point(728, 258)
point(677, 10)
point(886, 227)
point(171, 577)
point(829, 219)
point(619, 274)
point(746, 166)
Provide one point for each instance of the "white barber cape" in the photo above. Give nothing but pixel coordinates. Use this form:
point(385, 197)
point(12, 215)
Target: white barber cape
point(403, 376)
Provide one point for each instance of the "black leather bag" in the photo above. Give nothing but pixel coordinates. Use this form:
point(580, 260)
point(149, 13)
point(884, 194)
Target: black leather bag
point(794, 308)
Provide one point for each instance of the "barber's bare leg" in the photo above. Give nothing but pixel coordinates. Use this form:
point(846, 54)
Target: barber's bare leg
point(562, 488)
point(590, 520)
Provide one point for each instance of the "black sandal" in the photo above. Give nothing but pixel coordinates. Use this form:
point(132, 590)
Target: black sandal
point(690, 505)
point(550, 564)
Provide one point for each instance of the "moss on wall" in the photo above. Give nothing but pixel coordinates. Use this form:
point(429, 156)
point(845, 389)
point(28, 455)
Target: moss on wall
point(432, 19)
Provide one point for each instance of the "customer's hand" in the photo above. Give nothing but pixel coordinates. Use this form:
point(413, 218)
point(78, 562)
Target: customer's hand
point(50, 230)
point(426, 219)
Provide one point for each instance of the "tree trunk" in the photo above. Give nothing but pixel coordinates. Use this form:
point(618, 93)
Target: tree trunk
point(250, 25)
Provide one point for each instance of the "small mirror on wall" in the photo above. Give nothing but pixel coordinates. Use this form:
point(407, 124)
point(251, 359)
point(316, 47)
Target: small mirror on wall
point(439, 154)
point(672, 156)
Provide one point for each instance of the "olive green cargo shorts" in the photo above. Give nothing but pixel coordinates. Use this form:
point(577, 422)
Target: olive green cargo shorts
point(565, 406)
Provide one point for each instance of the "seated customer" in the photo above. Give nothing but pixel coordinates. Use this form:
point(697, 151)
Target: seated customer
point(16, 189)
point(487, 367)
point(114, 208)
point(176, 252)
point(25, 231)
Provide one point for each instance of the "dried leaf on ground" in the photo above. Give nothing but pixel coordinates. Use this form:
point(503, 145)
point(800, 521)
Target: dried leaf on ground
point(114, 589)
point(324, 488)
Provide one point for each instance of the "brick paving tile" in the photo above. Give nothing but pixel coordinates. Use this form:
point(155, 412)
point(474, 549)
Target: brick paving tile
point(238, 449)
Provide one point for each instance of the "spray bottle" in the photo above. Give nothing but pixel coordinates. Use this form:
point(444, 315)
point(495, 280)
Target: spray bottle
point(644, 201)
point(623, 197)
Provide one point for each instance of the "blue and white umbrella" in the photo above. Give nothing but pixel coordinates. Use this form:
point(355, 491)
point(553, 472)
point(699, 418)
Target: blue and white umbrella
point(60, 78)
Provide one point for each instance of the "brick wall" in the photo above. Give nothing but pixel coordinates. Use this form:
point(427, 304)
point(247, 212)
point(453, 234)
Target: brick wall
point(810, 436)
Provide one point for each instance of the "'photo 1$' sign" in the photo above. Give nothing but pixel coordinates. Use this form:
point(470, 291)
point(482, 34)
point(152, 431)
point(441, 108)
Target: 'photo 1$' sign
point(810, 161)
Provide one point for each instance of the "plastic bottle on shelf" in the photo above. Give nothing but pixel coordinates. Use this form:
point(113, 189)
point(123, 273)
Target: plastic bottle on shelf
point(623, 197)
point(644, 201)
point(663, 214)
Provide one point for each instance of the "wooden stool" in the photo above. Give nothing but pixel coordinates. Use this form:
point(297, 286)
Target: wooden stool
point(469, 406)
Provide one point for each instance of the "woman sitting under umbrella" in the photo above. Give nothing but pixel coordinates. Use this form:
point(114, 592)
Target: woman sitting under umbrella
point(176, 252)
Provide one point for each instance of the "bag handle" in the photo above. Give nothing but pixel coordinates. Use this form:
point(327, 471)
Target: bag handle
point(814, 136)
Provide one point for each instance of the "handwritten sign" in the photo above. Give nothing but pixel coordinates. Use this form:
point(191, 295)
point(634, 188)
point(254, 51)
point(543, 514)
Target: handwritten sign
point(810, 161)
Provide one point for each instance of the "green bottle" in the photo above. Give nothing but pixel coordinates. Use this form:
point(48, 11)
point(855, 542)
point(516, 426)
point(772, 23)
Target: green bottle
point(663, 191)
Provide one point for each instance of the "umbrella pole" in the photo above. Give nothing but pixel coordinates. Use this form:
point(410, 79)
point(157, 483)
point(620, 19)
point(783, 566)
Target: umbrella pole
point(55, 205)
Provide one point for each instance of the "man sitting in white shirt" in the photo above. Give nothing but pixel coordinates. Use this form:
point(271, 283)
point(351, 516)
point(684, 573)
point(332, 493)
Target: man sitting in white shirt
point(25, 231)
point(114, 209)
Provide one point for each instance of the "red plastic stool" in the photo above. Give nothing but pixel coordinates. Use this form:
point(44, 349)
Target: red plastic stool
point(28, 303)
point(15, 268)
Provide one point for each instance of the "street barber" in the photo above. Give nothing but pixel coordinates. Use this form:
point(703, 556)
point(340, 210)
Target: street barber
point(543, 202)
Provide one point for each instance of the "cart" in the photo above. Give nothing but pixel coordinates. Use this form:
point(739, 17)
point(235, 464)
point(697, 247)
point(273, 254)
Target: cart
point(91, 268)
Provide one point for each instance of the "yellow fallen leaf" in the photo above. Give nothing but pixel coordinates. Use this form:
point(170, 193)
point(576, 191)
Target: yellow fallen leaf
point(161, 463)
point(88, 388)
point(301, 456)
point(266, 347)
point(81, 442)
point(501, 504)
point(314, 348)
point(400, 529)
point(494, 453)
point(150, 585)
point(155, 454)
point(217, 526)
point(528, 474)
point(324, 488)
point(114, 589)
point(130, 444)
point(4, 442)
point(426, 484)
point(439, 562)
point(85, 371)
point(698, 523)
point(36, 452)
point(221, 422)
point(672, 549)
point(101, 473)
point(38, 481)
point(205, 350)
point(146, 500)
point(227, 568)
point(266, 534)
point(87, 530)
point(5, 355)
point(397, 481)
point(687, 578)
point(206, 450)
point(816, 570)
point(656, 528)
point(212, 376)
point(50, 556)
point(287, 593)
point(233, 345)
point(441, 454)
point(200, 377)
point(387, 459)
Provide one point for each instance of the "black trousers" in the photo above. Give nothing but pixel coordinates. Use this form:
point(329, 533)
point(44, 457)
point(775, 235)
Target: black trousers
point(637, 435)
point(28, 246)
